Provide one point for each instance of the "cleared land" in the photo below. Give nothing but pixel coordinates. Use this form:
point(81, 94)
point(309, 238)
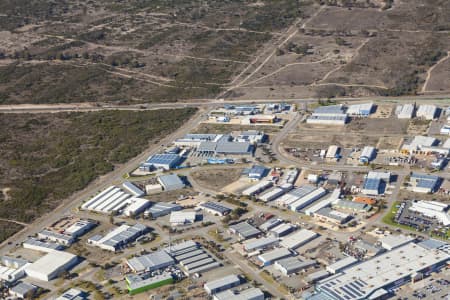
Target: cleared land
point(154, 51)
point(216, 179)
point(46, 158)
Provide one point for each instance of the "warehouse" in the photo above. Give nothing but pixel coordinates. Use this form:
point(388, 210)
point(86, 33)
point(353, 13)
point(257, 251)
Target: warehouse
point(163, 161)
point(360, 110)
point(136, 206)
point(329, 110)
point(334, 197)
point(119, 237)
point(375, 183)
point(269, 224)
point(351, 205)
point(193, 258)
point(445, 130)
point(160, 209)
point(341, 265)
point(112, 201)
point(72, 294)
point(179, 218)
point(181, 248)
point(257, 172)
point(248, 294)
point(368, 154)
point(295, 195)
point(329, 215)
point(270, 257)
point(337, 119)
point(391, 241)
point(194, 139)
point(290, 265)
point(333, 152)
point(282, 230)
point(12, 269)
point(427, 112)
point(56, 237)
point(257, 188)
point(51, 265)
point(171, 182)
point(225, 148)
point(272, 194)
point(260, 243)
point(132, 189)
point(138, 284)
point(422, 183)
point(215, 208)
point(222, 284)
point(251, 136)
point(419, 144)
point(405, 111)
point(432, 209)
point(42, 246)
point(150, 262)
point(382, 273)
point(244, 230)
point(23, 290)
point(307, 199)
point(297, 239)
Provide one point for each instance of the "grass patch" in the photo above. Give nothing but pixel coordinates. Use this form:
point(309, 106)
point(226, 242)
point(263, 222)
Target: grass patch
point(7, 229)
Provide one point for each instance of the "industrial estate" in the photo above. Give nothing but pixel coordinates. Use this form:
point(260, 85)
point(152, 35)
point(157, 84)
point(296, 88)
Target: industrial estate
point(318, 201)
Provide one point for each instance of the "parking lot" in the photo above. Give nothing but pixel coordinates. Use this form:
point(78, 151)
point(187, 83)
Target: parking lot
point(433, 287)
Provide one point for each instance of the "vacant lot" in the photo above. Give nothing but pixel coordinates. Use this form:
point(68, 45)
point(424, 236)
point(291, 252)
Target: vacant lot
point(45, 158)
point(7, 229)
point(218, 178)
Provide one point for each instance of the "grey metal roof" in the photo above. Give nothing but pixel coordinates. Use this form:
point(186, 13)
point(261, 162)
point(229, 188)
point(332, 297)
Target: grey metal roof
point(171, 180)
point(330, 109)
point(293, 264)
point(23, 288)
point(269, 224)
point(48, 245)
point(372, 184)
point(234, 147)
point(162, 208)
point(431, 244)
point(245, 230)
point(216, 206)
point(223, 282)
point(302, 191)
point(151, 261)
point(132, 188)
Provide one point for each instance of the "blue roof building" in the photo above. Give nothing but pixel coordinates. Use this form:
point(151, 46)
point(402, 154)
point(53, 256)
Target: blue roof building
point(257, 172)
point(423, 183)
point(163, 161)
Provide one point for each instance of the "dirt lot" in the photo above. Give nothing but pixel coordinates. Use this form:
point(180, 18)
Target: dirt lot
point(216, 179)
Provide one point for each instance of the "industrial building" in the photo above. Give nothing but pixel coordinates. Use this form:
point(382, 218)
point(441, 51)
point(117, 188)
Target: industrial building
point(427, 112)
point(194, 139)
point(179, 218)
point(375, 183)
point(257, 188)
point(432, 209)
point(445, 130)
point(328, 115)
point(163, 161)
point(215, 208)
point(51, 265)
point(360, 110)
point(260, 243)
point(374, 278)
point(367, 154)
point(307, 199)
point(334, 197)
point(269, 224)
point(42, 246)
point(341, 265)
point(351, 205)
point(244, 230)
point(133, 189)
point(248, 294)
point(423, 183)
point(268, 258)
point(171, 182)
point(150, 262)
point(272, 194)
point(160, 209)
point(72, 294)
point(192, 257)
point(119, 237)
point(226, 147)
point(295, 195)
point(329, 215)
point(333, 152)
point(391, 241)
point(138, 284)
point(23, 290)
point(405, 111)
point(297, 239)
point(290, 265)
point(56, 237)
point(12, 269)
point(282, 230)
point(423, 145)
point(251, 136)
point(114, 200)
point(222, 284)
point(257, 172)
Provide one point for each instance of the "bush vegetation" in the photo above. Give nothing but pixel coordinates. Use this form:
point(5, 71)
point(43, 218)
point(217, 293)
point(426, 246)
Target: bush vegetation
point(47, 157)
